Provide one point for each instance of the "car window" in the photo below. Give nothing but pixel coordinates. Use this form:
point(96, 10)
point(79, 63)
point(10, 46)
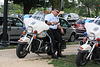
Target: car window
point(81, 21)
point(64, 23)
point(15, 22)
point(64, 15)
point(18, 23)
point(11, 20)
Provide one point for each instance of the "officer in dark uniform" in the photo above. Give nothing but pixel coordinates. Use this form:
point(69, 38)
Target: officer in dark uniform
point(53, 21)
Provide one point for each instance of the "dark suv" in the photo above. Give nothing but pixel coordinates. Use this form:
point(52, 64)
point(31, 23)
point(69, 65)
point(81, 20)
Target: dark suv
point(16, 27)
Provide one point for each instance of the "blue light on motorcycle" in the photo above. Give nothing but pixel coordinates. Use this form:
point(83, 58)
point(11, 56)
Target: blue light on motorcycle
point(24, 28)
point(85, 33)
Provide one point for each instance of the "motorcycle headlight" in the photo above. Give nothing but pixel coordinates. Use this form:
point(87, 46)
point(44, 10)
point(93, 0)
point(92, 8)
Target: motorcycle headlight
point(91, 36)
point(29, 29)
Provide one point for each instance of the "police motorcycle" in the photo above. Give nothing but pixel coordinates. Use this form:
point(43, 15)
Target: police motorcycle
point(89, 48)
point(34, 39)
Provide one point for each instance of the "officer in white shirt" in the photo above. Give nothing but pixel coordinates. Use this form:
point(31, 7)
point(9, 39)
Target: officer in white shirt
point(53, 21)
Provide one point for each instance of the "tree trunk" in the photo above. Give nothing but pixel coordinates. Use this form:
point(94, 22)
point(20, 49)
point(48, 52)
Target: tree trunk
point(96, 12)
point(52, 2)
point(27, 8)
point(56, 4)
point(88, 11)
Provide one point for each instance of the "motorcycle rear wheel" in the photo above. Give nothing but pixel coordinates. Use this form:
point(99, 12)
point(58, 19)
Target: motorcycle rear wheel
point(81, 59)
point(20, 50)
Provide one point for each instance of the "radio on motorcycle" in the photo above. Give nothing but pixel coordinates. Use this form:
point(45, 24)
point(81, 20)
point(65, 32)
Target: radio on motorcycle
point(89, 49)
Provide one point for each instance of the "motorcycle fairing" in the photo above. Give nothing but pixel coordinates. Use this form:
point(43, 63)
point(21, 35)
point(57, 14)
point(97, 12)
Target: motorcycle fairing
point(24, 40)
point(86, 47)
point(38, 25)
point(93, 28)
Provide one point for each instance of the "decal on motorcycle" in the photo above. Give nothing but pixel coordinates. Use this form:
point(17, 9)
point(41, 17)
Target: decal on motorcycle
point(33, 23)
point(96, 28)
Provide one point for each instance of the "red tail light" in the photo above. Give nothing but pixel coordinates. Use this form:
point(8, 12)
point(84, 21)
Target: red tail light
point(98, 39)
point(35, 31)
point(74, 25)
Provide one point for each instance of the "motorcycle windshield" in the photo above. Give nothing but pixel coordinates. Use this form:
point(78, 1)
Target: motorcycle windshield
point(36, 24)
point(93, 28)
point(28, 21)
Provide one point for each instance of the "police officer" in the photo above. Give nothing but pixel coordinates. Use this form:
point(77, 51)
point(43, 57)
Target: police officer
point(53, 21)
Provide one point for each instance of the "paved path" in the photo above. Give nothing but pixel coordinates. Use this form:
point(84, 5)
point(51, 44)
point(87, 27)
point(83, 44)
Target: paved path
point(8, 58)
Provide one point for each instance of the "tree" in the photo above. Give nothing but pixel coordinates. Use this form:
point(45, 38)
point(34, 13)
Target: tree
point(87, 4)
point(96, 7)
point(55, 3)
point(70, 4)
point(91, 5)
point(13, 9)
point(28, 4)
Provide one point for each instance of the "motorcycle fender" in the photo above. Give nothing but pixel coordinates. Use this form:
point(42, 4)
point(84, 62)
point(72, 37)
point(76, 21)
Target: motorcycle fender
point(24, 39)
point(86, 47)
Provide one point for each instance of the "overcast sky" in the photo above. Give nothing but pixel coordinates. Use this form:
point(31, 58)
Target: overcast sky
point(2, 1)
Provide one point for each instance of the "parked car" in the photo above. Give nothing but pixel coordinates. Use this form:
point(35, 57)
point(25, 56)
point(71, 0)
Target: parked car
point(69, 30)
point(79, 25)
point(70, 17)
point(16, 27)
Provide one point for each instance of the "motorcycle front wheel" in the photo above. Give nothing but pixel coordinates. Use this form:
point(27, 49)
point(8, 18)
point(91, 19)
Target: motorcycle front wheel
point(21, 50)
point(97, 61)
point(81, 59)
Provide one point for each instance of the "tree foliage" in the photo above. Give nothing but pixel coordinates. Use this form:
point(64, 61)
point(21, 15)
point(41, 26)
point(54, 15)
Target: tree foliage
point(13, 9)
point(28, 4)
point(91, 5)
point(82, 7)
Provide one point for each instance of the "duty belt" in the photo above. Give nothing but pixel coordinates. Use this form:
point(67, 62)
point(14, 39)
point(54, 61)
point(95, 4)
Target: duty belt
point(52, 29)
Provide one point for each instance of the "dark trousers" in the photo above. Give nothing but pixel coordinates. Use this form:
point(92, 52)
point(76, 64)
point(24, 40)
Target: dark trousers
point(55, 36)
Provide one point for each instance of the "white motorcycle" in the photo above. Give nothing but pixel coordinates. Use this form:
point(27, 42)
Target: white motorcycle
point(89, 48)
point(34, 39)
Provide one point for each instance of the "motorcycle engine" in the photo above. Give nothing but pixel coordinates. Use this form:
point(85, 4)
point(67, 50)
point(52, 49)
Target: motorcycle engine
point(40, 48)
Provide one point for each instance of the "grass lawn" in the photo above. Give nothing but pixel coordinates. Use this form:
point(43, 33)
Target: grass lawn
point(69, 61)
point(72, 43)
point(8, 47)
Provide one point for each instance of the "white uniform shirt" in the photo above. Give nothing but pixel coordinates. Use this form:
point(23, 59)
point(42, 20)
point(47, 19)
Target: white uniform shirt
point(51, 18)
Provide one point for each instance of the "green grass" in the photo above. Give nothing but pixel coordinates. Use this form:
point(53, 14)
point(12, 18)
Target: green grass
point(72, 43)
point(8, 47)
point(69, 61)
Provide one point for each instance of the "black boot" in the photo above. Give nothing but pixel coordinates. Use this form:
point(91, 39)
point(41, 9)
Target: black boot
point(59, 54)
point(54, 56)
point(53, 53)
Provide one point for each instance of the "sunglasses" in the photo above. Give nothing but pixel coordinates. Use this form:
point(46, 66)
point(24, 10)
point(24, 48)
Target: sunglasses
point(57, 12)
